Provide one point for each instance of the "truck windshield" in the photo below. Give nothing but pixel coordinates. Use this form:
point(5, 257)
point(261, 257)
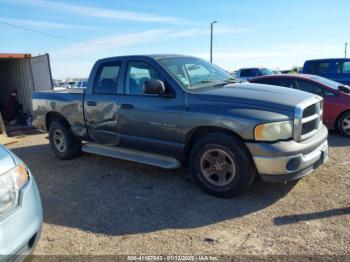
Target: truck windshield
point(194, 73)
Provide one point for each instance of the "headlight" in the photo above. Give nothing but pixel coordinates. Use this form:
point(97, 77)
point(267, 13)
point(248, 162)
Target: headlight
point(274, 131)
point(11, 183)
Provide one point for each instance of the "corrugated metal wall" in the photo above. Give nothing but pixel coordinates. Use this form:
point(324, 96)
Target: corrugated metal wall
point(16, 74)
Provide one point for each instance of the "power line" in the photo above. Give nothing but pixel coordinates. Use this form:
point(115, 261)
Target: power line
point(78, 40)
point(48, 34)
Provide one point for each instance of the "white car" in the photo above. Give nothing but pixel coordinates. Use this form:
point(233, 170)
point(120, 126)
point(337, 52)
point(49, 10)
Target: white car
point(20, 208)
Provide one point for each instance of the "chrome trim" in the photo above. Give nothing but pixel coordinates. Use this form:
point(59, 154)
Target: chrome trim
point(309, 119)
point(299, 120)
point(278, 165)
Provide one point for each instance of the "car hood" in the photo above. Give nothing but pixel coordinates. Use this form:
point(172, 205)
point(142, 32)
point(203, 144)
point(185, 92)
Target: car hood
point(260, 95)
point(6, 160)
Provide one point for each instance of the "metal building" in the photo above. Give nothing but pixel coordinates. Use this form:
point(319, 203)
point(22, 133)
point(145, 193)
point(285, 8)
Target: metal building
point(26, 74)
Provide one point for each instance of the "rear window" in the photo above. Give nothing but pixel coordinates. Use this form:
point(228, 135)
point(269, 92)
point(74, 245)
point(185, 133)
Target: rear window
point(266, 72)
point(318, 67)
point(249, 73)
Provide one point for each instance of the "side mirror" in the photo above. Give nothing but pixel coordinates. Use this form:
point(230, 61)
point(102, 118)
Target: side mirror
point(153, 87)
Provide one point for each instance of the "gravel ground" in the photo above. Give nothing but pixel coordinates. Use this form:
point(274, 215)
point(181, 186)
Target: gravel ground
point(96, 205)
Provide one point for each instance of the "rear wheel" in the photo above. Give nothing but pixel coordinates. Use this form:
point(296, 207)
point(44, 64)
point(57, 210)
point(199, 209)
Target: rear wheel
point(344, 124)
point(62, 141)
point(221, 165)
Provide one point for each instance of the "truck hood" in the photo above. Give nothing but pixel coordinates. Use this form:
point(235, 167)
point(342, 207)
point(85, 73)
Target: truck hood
point(6, 160)
point(260, 95)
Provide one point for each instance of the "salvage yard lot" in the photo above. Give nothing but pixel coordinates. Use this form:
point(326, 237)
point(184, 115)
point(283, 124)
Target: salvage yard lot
point(96, 205)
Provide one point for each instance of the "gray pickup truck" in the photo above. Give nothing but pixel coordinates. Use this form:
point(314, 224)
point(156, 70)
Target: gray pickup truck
point(170, 110)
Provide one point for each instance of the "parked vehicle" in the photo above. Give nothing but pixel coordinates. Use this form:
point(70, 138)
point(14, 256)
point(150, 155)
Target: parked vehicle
point(337, 69)
point(276, 72)
point(71, 84)
point(168, 111)
point(248, 73)
point(20, 208)
point(82, 84)
point(336, 96)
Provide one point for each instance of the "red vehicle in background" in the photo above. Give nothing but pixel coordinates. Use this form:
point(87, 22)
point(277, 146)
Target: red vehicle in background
point(336, 96)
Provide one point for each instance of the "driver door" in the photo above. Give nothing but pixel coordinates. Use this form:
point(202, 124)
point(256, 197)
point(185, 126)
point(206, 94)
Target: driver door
point(148, 122)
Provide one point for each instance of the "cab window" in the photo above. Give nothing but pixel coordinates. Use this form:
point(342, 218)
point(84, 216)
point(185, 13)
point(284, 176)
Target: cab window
point(343, 67)
point(136, 75)
point(317, 68)
point(107, 78)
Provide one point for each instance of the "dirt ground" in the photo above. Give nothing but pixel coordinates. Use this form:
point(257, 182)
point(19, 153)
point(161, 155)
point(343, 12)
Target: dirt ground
point(97, 205)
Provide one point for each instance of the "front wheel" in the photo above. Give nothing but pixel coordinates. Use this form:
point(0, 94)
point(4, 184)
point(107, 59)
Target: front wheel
point(222, 165)
point(344, 124)
point(62, 141)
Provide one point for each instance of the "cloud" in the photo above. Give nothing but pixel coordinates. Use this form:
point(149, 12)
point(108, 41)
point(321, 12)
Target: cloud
point(44, 24)
point(97, 12)
point(76, 59)
point(103, 46)
point(111, 44)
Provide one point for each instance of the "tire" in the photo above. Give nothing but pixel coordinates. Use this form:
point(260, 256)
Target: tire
point(62, 141)
point(344, 124)
point(228, 178)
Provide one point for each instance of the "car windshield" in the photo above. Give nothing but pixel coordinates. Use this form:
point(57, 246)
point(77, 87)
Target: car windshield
point(330, 83)
point(194, 73)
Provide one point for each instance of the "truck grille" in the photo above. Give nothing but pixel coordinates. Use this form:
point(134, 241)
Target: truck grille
point(308, 118)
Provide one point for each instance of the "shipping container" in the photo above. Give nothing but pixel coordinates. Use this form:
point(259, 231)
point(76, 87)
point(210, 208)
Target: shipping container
point(26, 74)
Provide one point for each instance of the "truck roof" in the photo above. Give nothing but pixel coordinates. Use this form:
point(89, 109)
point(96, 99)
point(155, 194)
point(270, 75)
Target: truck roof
point(153, 56)
point(328, 59)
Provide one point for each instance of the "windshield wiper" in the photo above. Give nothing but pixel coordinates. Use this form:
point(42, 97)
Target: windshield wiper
point(202, 82)
point(232, 80)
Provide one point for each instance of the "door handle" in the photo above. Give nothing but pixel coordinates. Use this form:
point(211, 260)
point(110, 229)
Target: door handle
point(126, 106)
point(91, 103)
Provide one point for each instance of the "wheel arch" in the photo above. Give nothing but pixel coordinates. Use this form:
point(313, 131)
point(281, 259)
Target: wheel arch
point(54, 116)
point(198, 132)
point(336, 124)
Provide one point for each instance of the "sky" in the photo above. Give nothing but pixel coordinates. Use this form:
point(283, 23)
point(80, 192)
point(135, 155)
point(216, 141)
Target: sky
point(270, 33)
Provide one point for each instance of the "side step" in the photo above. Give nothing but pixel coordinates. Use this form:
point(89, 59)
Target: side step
point(132, 155)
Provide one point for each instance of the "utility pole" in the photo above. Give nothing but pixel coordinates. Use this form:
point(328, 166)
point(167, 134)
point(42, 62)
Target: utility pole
point(211, 40)
point(346, 49)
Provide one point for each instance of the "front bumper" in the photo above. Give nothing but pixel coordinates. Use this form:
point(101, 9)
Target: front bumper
point(289, 160)
point(20, 230)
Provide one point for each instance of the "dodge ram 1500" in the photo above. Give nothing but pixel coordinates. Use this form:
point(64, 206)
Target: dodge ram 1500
point(171, 110)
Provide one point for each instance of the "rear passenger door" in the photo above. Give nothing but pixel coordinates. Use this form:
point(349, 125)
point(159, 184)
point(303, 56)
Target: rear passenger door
point(102, 105)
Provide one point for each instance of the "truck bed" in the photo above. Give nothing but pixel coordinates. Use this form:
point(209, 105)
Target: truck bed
point(67, 90)
point(68, 103)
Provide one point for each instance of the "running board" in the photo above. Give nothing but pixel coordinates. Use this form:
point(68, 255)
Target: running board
point(132, 155)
